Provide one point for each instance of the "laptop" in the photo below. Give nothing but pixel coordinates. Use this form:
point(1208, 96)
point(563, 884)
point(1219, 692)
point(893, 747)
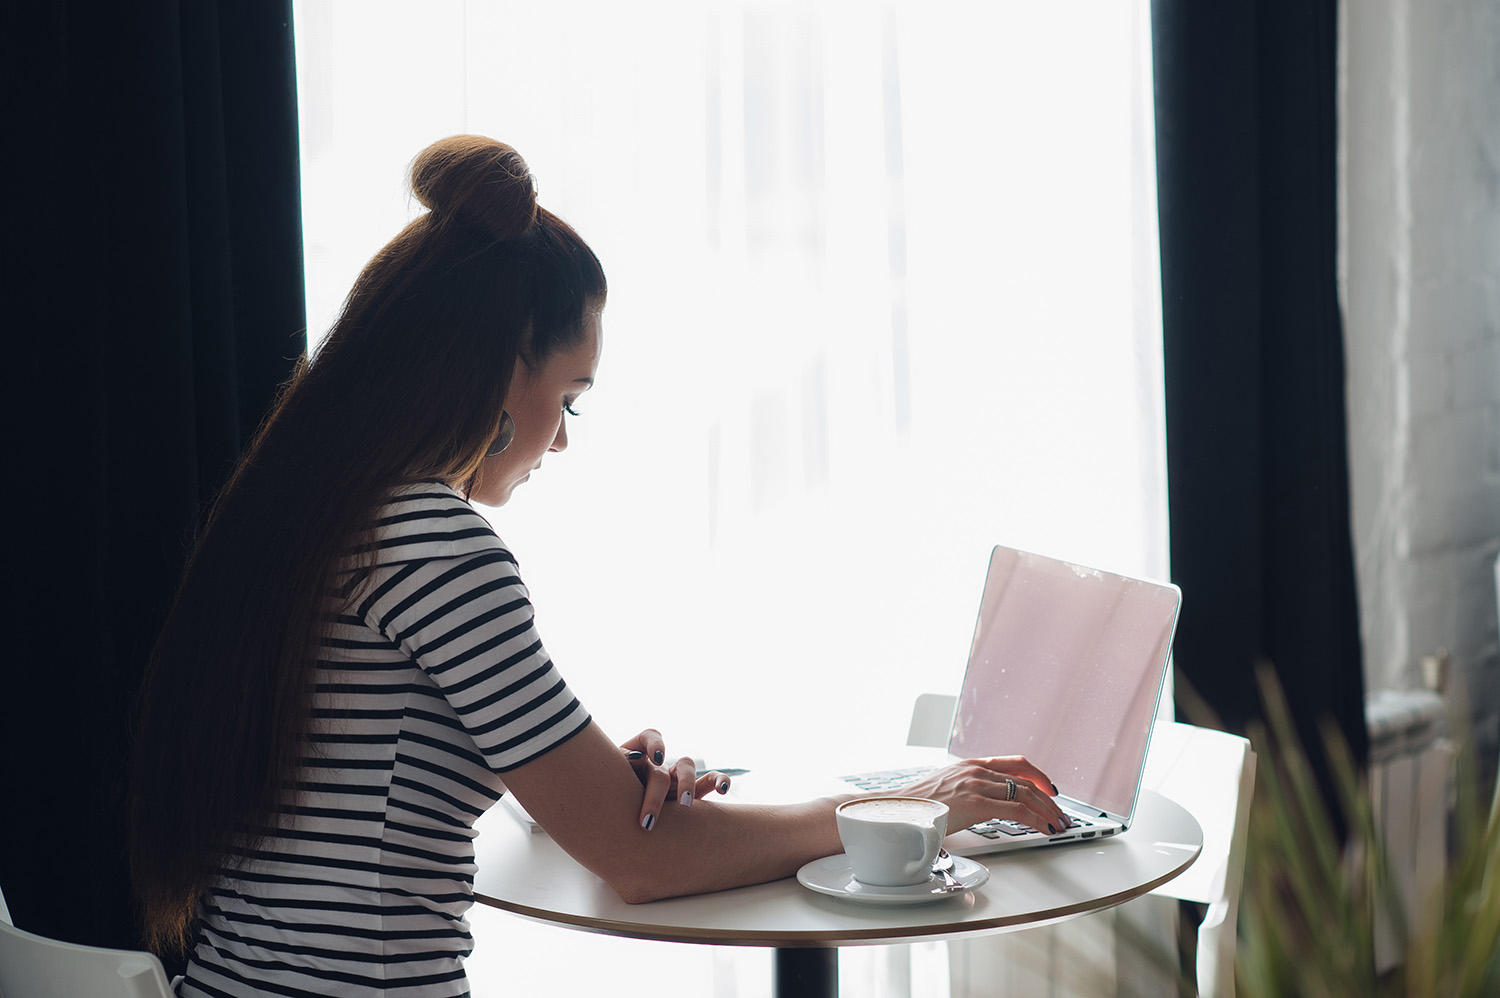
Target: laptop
point(1067, 667)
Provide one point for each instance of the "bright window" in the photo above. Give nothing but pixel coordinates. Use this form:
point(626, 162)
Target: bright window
point(883, 293)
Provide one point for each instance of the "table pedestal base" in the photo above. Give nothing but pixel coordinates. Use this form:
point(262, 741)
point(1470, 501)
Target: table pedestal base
point(807, 973)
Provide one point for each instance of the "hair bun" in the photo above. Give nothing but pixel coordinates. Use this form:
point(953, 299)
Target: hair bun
point(475, 180)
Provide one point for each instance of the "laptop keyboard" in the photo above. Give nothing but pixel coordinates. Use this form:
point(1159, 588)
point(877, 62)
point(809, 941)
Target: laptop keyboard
point(887, 780)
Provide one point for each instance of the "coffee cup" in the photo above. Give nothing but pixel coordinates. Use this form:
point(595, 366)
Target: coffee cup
point(892, 841)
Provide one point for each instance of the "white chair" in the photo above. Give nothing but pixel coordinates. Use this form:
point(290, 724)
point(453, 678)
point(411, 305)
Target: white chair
point(1212, 774)
point(32, 966)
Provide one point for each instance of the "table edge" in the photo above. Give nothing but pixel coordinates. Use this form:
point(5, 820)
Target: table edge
point(830, 938)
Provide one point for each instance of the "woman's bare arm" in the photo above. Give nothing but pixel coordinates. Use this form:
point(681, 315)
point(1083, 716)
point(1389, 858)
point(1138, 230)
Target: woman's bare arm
point(588, 798)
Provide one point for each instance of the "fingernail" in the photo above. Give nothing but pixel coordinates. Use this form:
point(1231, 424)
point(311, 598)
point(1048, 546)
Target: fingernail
point(648, 821)
point(686, 800)
point(724, 787)
point(657, 757)
point(1054, 790)
point(1051, 830)
point(634, 754)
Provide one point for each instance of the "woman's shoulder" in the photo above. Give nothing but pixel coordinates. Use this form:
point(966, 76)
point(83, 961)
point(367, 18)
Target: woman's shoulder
point(425, 520)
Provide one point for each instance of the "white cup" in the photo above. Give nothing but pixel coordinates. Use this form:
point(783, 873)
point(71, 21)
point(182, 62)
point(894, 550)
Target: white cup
point(892, 841)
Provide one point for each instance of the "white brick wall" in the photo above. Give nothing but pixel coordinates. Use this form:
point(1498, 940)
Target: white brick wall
point(1420, 248)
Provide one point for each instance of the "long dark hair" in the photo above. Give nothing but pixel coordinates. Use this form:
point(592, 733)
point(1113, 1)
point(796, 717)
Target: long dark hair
point(409, 385)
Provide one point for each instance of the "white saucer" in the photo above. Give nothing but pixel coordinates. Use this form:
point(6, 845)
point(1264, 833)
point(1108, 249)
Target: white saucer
point(833, 876)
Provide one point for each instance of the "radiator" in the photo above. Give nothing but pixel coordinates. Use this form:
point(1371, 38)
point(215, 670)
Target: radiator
point(1411, 766)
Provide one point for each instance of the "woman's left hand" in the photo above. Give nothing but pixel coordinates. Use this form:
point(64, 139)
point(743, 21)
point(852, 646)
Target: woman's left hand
point(679, 780)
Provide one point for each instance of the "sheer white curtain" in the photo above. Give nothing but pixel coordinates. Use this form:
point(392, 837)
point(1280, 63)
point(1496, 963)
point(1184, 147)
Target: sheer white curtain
point(883, 293)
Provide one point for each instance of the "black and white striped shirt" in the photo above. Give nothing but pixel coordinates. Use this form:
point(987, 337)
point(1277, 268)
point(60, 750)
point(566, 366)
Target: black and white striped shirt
point(429, 687)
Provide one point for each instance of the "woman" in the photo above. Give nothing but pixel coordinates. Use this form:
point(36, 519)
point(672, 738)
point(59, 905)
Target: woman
point(350, 674)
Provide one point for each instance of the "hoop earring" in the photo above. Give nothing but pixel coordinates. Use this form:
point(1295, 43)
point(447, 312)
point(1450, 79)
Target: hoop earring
point(504, 437)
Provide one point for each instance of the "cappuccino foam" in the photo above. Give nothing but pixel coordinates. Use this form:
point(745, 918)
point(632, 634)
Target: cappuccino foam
point(893, 809)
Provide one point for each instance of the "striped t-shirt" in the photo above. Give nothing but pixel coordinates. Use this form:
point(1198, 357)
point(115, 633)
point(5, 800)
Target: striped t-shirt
point(431, 684)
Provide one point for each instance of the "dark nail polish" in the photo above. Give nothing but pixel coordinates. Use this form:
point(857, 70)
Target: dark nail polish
point(657, 757)
point(1051, 830)
point(1054, 790)
point(634, 754)
point(724, 787)
point(650, 820)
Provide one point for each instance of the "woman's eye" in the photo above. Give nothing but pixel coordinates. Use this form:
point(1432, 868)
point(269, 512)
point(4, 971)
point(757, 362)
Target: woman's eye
point(568, 408)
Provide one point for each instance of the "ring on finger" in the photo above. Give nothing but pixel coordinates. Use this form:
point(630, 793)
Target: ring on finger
point(1010, 789)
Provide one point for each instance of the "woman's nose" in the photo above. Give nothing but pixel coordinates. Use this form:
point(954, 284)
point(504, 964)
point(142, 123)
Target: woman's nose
point(560, 442)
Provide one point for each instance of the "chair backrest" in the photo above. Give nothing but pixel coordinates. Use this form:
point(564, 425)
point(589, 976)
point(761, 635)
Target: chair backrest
point(33, 966)
point(931, 720)
point(1212, 774)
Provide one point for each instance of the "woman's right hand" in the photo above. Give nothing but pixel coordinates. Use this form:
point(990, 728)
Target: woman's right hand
point(975, 790)
point(678, 781)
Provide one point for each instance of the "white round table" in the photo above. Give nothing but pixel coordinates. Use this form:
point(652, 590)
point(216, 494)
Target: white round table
point(529, 874)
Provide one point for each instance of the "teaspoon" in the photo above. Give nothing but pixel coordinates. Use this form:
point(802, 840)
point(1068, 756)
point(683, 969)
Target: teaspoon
point(944, 866)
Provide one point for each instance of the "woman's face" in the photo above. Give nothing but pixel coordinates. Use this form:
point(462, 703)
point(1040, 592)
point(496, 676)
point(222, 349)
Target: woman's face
point(538, 401)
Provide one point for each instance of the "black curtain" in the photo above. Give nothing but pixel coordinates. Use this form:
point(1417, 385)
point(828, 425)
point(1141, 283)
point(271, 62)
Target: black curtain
point(1257, 459)
point(154, 302)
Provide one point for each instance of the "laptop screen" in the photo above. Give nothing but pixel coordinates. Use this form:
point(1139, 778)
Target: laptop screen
point(1066, 668)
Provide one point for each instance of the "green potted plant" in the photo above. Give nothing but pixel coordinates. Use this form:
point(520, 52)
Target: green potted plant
point(1307, 916)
